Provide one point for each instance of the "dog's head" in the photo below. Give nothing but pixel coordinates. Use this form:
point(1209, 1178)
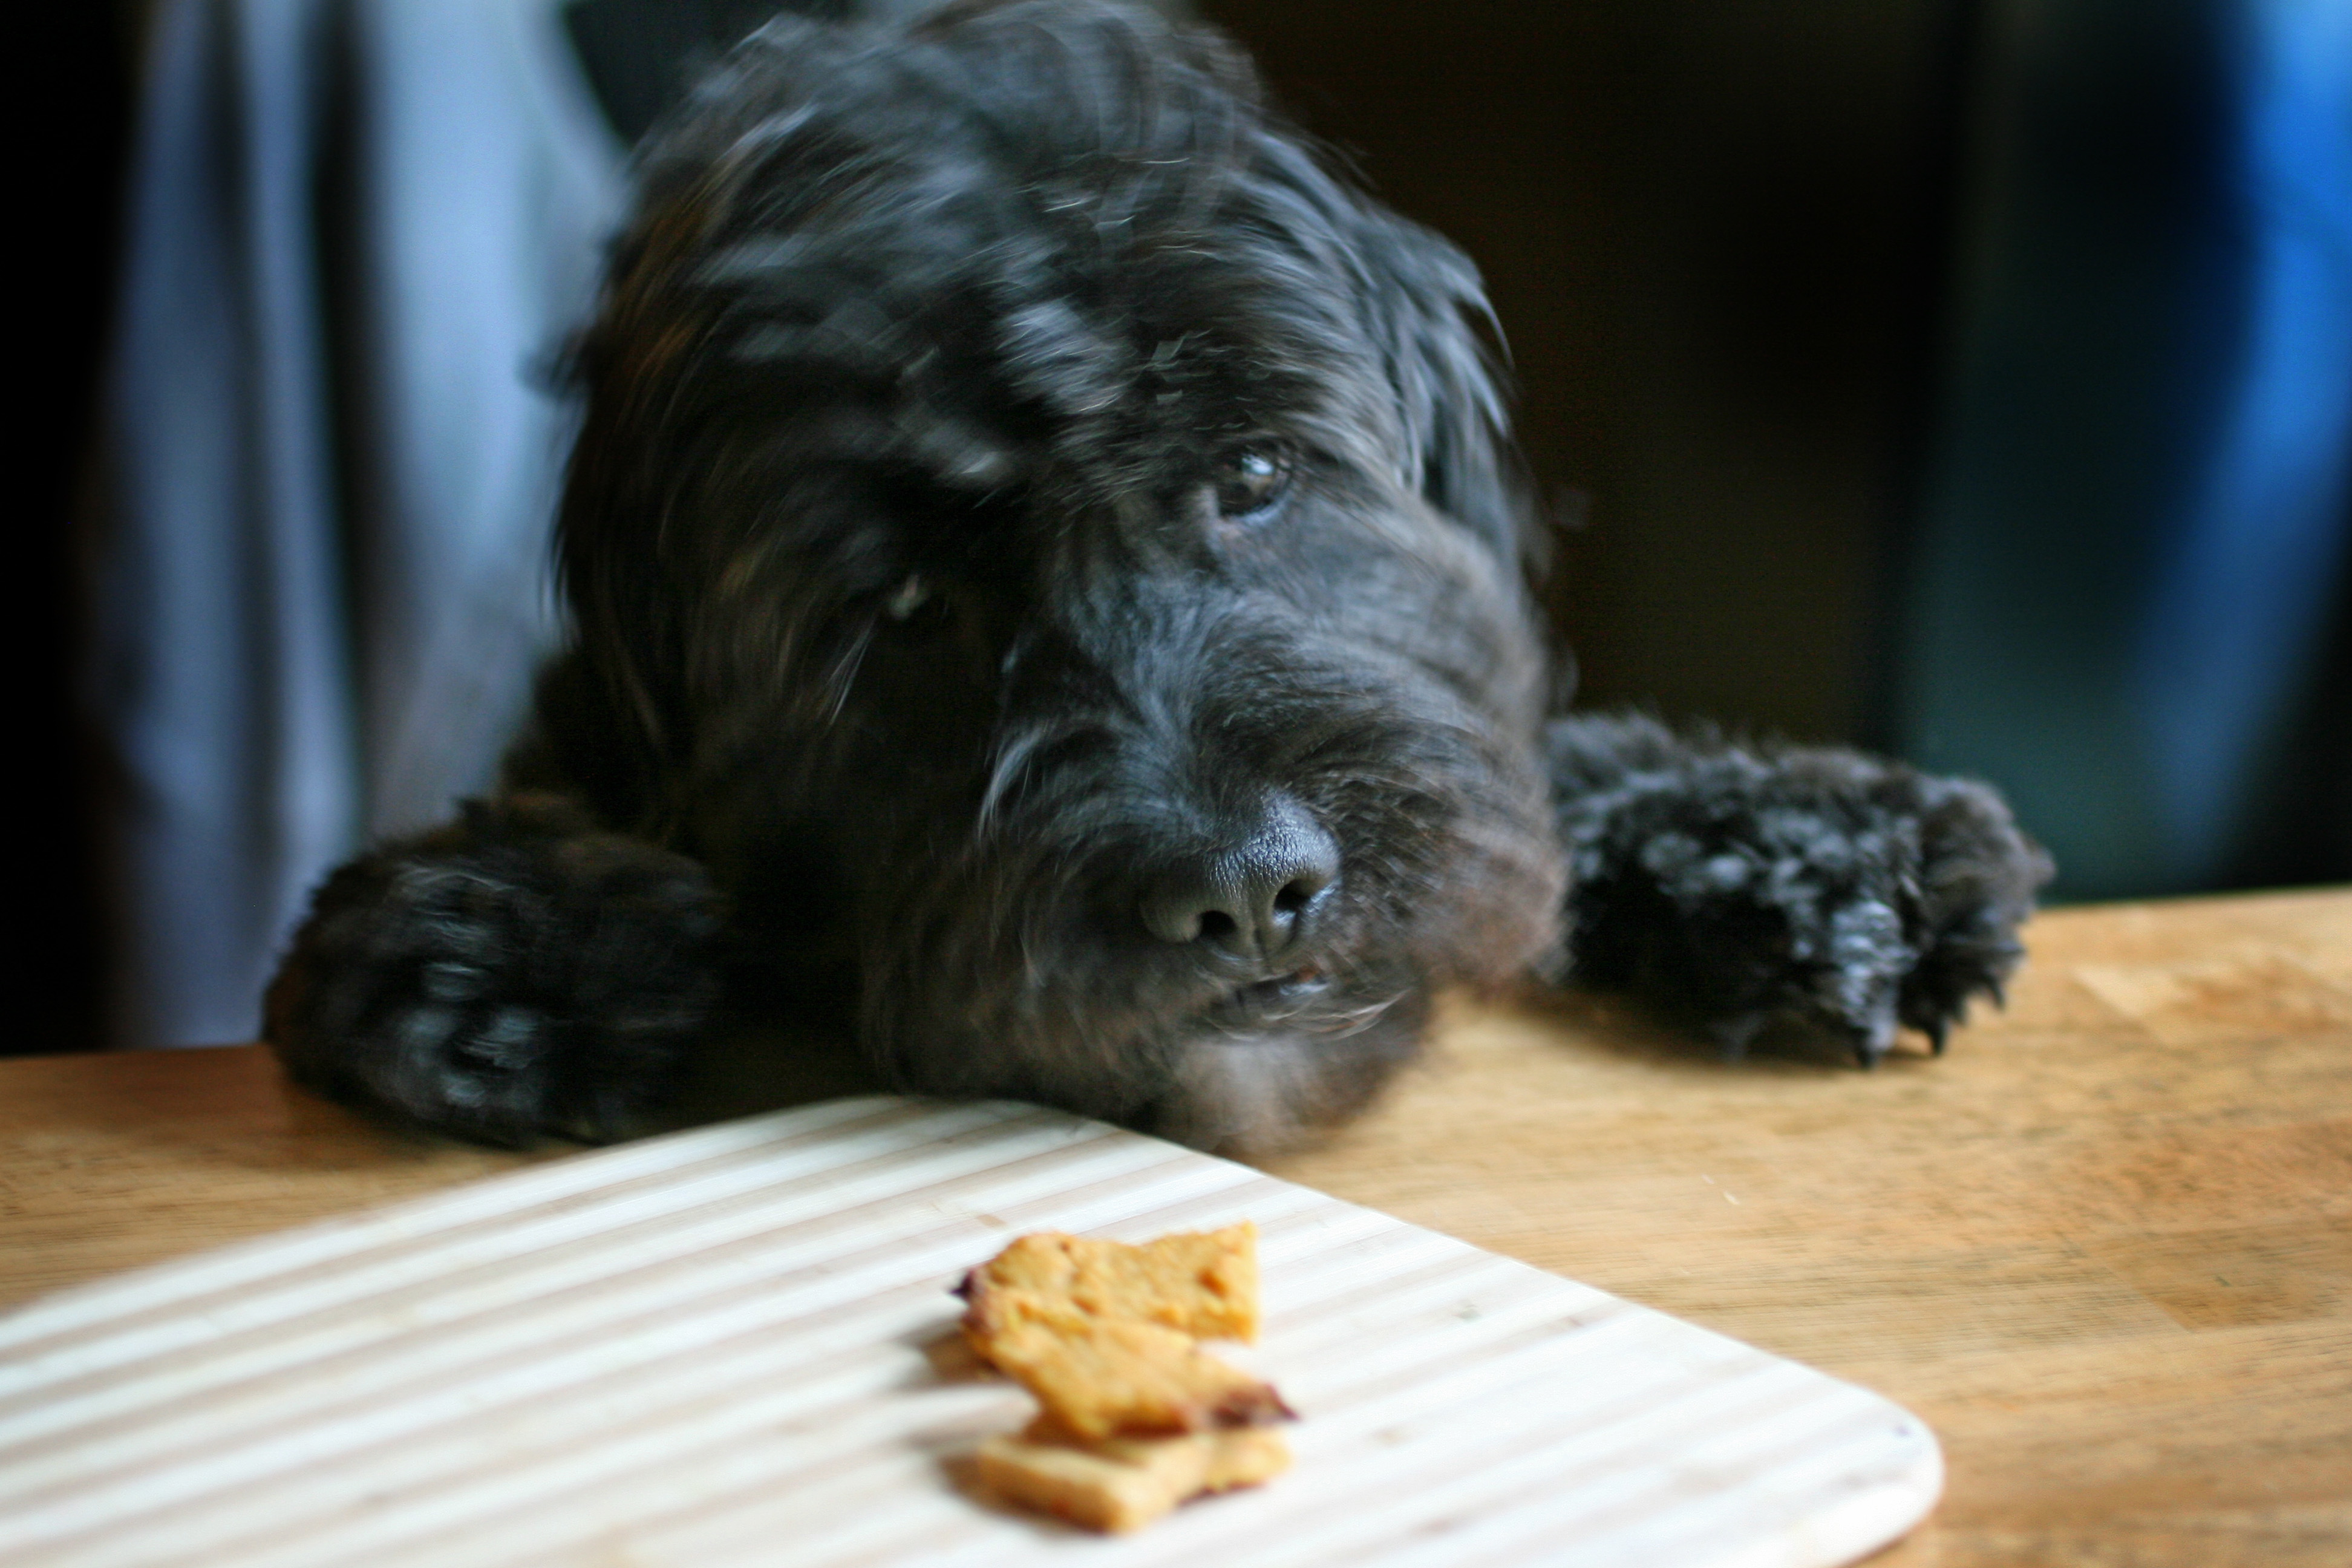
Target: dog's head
point(1032, 510)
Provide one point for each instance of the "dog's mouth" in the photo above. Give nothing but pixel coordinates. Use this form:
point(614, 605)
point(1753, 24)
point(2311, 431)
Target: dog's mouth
point(1308, 1000)
point(1284, 993)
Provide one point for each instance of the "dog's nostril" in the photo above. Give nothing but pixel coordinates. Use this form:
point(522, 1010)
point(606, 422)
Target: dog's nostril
point(1250, 901)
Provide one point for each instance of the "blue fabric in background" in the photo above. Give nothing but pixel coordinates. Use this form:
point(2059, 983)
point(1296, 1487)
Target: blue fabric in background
point(2125, 604)
point(357, 231)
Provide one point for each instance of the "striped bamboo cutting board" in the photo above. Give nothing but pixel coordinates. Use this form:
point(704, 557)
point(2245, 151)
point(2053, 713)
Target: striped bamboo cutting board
point(735, 1345)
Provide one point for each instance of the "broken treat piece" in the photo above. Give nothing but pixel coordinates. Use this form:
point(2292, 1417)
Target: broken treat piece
point(1104, 1377)
point(1204, 1284)
point(1125, 1483)
point(1137, 1417)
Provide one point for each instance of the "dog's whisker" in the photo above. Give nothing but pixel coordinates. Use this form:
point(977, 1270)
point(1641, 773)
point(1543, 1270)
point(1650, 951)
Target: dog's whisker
point(844, 675)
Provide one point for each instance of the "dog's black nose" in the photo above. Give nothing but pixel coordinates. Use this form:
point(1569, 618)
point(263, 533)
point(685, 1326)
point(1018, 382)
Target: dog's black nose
point(1251, 899)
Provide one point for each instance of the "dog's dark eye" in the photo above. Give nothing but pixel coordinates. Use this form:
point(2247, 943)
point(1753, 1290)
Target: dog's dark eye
point(908, 597)
point(1252, 479)
point(918, 606)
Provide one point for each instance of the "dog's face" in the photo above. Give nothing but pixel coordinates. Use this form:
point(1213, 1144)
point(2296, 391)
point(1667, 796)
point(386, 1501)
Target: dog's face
point(1051, 538)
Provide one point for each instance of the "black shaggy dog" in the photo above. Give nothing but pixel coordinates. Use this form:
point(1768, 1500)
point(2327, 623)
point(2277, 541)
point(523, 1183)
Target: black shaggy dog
point(1048, 568)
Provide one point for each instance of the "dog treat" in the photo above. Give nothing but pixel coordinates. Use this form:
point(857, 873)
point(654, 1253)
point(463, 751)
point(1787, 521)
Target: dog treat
point(1105, 1377)
point(1135, 1416)
point(1124, 1483)
point(1199, 1283)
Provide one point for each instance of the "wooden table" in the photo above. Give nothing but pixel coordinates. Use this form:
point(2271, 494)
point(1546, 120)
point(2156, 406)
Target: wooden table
point(2104, 1247)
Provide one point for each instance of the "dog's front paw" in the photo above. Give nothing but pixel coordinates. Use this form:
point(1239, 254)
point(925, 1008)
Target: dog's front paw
point(1974, 887)
point(1847, 893)
point(515, 975)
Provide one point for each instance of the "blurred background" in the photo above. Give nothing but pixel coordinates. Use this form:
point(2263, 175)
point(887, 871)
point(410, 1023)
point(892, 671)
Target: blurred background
point(1968, 379)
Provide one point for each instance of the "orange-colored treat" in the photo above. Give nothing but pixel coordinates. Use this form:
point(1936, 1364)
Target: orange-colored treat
point(1103, 1377)
point(1136, 1417)
point(1202, 1284)
point(1125, 1483)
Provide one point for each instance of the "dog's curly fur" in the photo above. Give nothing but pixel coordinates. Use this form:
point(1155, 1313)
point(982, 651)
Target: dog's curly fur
point(1048, 565)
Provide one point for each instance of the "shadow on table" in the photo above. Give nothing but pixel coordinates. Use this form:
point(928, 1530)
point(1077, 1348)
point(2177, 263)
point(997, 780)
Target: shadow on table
point(1623, 1026)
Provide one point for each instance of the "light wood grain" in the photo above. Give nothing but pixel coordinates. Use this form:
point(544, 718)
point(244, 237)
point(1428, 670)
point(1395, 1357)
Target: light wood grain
point(2104, 1247)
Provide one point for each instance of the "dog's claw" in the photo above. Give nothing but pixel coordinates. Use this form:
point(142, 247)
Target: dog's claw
point(1733, 1036)
point(1872, 1040)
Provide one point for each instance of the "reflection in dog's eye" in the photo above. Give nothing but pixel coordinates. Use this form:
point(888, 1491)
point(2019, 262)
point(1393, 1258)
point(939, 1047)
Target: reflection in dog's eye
point(908, 597)
point(1251, 481)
